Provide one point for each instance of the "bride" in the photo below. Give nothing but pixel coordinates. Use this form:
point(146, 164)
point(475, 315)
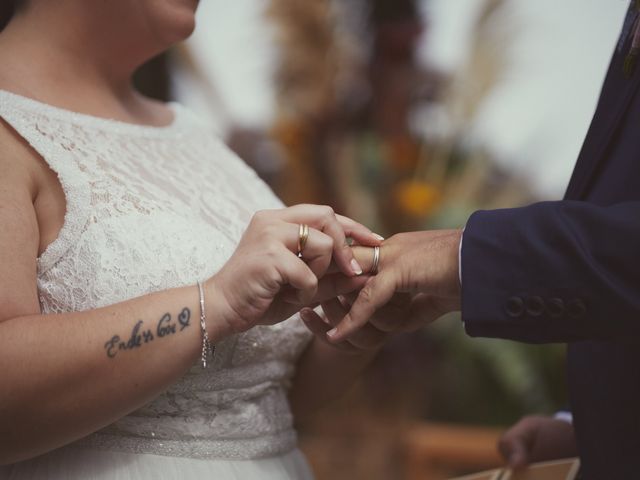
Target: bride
point(117, 362)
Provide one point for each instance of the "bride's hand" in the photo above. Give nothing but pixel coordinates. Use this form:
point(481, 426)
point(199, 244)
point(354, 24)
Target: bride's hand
point(264, 281)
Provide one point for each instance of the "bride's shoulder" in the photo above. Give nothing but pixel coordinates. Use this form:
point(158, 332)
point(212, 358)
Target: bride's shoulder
point(18, 161)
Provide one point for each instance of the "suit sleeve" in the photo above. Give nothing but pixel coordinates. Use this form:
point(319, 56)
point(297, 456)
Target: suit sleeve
point(553, 272)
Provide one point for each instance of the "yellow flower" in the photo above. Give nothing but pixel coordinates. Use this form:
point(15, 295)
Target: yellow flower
point(417, 198)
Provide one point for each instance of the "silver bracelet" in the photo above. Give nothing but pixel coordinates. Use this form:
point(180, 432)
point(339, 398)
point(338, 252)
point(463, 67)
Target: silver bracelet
point(207, 348)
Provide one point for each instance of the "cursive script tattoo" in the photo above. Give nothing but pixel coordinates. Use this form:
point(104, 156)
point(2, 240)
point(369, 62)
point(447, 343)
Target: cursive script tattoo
point(139, 336)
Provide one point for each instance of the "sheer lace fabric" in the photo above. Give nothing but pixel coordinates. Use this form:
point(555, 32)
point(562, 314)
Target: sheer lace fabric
point(150, 208)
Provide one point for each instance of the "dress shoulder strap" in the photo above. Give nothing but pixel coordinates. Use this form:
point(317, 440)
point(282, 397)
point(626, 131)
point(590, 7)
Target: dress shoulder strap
point(53, 140)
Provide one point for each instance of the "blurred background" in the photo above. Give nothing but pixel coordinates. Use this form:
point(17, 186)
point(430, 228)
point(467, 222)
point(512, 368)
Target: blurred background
point(407, 115)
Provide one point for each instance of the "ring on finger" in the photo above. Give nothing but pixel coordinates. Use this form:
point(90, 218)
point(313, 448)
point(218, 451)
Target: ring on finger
point(303, 236)
point(376, 261)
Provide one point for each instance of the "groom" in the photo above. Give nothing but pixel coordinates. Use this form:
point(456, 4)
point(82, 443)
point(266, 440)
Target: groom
point(563, 271)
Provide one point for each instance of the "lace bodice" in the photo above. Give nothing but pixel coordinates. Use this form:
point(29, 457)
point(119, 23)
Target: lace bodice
point(151, 208)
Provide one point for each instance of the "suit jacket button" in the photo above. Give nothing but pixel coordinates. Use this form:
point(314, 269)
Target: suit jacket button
point(534, 306)
point(555, 307)
point(576, 308)
point(514, 307)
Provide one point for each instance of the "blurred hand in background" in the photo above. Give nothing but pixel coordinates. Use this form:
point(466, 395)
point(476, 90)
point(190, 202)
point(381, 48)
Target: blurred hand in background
point(537, 438)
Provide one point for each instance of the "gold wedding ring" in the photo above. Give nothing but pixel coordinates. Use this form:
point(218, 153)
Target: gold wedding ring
point(376, 261)
point(303, 236)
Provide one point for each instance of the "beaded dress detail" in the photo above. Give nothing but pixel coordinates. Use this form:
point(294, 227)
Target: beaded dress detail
point(151, 208)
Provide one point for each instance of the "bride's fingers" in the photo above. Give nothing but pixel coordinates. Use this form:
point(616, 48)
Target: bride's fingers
point(329, 286)
point(324, 219)
point(363, 255)
point(317, 251)
point(342, 254)
point(298, 275)
point(358, 232)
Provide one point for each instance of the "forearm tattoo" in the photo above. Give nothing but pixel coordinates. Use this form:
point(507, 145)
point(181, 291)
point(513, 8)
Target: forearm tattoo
point(139, 335)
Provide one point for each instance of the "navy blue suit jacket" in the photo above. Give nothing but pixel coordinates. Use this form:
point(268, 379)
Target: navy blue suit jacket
point(569, 271)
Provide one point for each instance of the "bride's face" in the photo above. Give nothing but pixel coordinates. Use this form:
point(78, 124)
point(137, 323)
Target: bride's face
point(126, 32)
point(155, 24)
point(168, 21)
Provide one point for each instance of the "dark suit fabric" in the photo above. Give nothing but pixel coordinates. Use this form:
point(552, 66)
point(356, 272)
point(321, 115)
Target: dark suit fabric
point(569, 271)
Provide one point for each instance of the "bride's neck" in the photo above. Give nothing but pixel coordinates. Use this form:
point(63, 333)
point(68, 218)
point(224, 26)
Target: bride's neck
point(74, 61)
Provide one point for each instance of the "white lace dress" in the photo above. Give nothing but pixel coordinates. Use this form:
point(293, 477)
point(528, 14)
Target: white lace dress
point(151, 208)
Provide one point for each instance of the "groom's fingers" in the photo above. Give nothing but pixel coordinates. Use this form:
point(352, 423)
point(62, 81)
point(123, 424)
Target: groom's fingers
point(376, 293)
point(367, 338)
point(392, 317)
point(363, 255)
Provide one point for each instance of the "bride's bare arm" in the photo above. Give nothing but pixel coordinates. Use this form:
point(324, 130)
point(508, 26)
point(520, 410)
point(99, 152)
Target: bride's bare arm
point(66, 375)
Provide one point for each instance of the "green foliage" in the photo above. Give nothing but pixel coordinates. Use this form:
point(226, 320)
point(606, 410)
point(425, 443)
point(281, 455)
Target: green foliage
point(493, 381)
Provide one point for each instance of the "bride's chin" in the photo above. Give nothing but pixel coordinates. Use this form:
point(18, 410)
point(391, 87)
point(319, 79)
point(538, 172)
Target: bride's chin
point(183, 17)
point(186, 28)
point(176, 29)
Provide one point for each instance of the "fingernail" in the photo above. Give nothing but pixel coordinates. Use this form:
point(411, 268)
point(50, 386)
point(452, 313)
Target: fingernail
point(355, 266)
point(304, 314)
point(378, 237)
point(332, 333)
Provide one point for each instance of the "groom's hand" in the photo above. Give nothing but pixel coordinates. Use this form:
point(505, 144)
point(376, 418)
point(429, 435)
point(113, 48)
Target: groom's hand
point(422, 264)
point(392, 318)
